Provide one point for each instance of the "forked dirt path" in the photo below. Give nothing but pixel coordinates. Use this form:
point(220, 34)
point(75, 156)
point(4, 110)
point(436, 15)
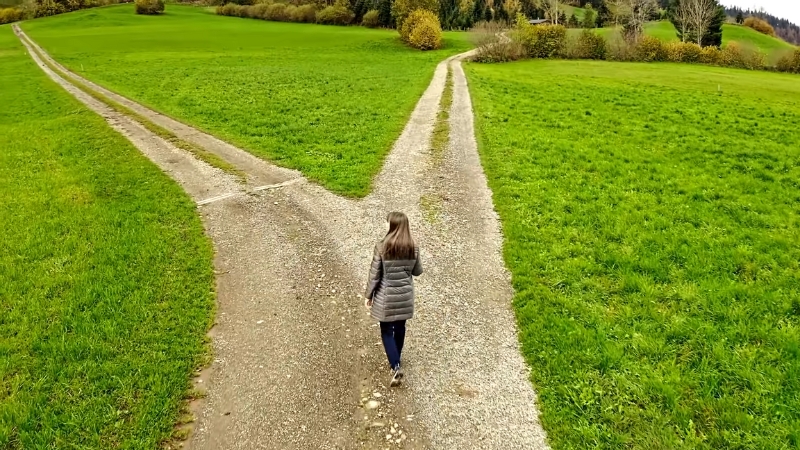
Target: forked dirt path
point(298, 363)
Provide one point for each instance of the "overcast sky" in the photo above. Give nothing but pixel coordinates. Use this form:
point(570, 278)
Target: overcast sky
point(786, 9)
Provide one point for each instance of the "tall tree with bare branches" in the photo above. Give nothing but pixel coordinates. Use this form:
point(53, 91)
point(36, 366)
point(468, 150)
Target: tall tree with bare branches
point(696, 20)
point(633, 14)
point(679, 15)
point(551, 9)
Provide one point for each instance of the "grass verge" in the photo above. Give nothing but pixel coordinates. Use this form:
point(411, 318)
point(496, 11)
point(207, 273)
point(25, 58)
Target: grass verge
point(651, 225)
point(328, 101)
point(441, 130)
point(201, 153)
point(106, 282)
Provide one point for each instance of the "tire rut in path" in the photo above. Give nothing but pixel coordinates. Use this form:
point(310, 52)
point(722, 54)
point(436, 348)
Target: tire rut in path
point(296, 357)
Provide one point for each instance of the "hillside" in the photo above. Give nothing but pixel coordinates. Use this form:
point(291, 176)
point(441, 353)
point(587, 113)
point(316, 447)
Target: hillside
point(569, 10)
point(784, 28)
point(665, 31)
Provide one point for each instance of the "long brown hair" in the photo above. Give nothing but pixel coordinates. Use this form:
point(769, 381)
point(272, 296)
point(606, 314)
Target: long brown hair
point(398, 243)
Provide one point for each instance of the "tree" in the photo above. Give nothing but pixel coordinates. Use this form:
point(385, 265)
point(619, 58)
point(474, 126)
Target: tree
point(603, 14)
point(403, 8)
point(478, 10)
point(740, 18)
point(512, 7)
point(589, 17)
point(713, 36)
point(550, 8)
point(562, 17)
point(633, 14)
point(572, 22)
point(449, 14)
point(500, 12)
point(487, 14)
point(694, 20)
point(679, 16)
point(385, 13)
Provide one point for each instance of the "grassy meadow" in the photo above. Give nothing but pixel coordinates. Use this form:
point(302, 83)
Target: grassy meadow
point(329, 101)
point(106, 282)
point(652, 224)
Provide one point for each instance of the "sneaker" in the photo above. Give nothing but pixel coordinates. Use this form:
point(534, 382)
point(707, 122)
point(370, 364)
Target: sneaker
point(397, 377)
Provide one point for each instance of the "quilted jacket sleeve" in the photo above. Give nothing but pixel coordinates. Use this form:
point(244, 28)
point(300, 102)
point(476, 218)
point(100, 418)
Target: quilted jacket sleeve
point(417, 270)
point(375, 273)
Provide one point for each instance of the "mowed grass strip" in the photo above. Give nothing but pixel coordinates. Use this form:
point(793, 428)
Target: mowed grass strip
point(329, 101)
point(106, 282)
point(652, 226)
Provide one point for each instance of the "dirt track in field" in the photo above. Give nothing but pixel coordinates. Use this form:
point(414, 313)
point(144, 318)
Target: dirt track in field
point(298, 363)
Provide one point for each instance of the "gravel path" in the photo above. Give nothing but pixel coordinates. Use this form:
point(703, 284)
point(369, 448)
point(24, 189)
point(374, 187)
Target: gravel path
point(298, 363)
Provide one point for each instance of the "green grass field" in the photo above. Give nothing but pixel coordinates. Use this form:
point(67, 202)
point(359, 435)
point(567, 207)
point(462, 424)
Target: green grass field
point(652, 224)
point(106, 283)
point(665, 31)
point(329, 101)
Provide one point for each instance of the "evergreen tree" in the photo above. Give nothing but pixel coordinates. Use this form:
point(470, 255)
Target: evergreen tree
point(478, 10)
point(385, 13)
point(589, 17)
point(572, 22)
point(603, 14)
point(530, 9)
point(562, 18)
point(500, 13)
point(448, 14)
point(713, 36)
point(740, 18)
point(487, 14)
point(359, 8)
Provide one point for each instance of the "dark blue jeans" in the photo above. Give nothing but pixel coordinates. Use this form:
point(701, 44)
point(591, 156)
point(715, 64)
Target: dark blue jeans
point(393, 335)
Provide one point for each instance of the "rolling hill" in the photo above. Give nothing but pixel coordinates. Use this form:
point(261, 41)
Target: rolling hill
point(665, 31)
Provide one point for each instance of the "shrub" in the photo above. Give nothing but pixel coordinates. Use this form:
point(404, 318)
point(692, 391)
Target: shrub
point(491, 46)
point(276, 12)
point(650, 49)
point(335, 15)
point(8, 15)
point(371, 19)
point(711, 55)
point(543, 41)
point(735, 55)
point(258, 11)
point(621, 49)
point(149, 7)
point(305, 13)
point(426, 32)
point(429, 36)
point(685, 52)
point(229, 9)
point(789, 62)
point(760, 25)
point(289, 13)
point(250, 12)
point(589, 45)
point(46, 8)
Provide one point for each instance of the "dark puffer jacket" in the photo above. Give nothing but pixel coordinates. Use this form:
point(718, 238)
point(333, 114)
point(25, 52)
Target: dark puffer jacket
point(391, 286)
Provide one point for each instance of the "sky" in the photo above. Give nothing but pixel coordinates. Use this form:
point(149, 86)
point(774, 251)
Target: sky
point(786, 9)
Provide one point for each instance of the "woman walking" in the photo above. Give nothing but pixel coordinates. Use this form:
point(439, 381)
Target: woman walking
point(390, 289)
